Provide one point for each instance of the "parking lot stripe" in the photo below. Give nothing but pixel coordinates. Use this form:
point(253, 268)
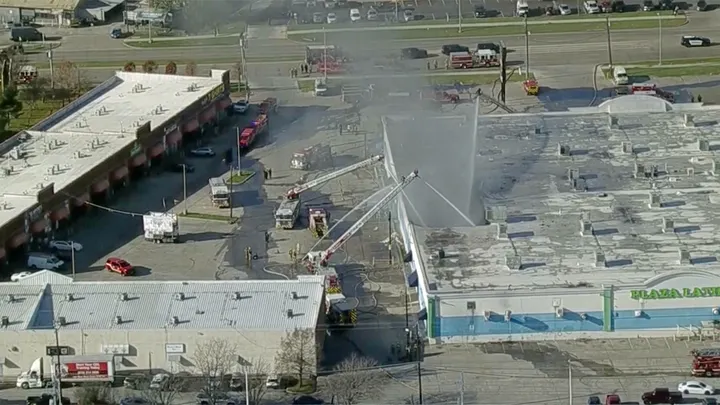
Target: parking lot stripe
point(430, 3)
point(443, 1)
point(416, 3)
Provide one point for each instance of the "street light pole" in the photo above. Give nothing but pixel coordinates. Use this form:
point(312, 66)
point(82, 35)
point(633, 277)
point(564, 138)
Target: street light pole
point(659, 39)
point(570, 387)
point(185, 199)
point(325, 67)
point(527, 49)
point(72, 258)
point(52, 69)
point(459, 15)
point(57, 381)
point(609, 41)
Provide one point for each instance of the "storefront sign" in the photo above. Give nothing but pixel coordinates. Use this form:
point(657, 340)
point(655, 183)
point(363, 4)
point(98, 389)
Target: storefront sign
point(175, 348)
point(675, 293)
point(170, 128)
point(214, 93)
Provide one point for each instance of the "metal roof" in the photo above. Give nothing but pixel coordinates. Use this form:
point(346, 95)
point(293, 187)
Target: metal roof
point(645, 183)
point(42, 4)
point(247, 305)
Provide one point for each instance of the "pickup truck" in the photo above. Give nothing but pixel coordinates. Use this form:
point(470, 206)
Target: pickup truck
point(662, 396)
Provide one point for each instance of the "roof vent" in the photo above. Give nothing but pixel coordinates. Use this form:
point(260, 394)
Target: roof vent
point(174, 321)
point(61, 321)
point(502, 233)
point(237, 296)
point(563, 150)
point(668, 225)
point(688, 121)
point(179, 296)
point(10, 299)
point(513, 262)
point(600, 259)
point(4, 321)
point(118, 320)
point(654, 201)
point(627, 147)
point(69, 297)
point(716, 168)
point(703, 145)
point(290, 313)
point(123, 296)
point(684, 256)
point(586, 227)
point(40, 186)
point(295, 295)
point(613, 122)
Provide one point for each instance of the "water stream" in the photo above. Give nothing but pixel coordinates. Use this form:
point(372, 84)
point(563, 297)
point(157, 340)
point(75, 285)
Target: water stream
point(453, 206)
point(359, 206)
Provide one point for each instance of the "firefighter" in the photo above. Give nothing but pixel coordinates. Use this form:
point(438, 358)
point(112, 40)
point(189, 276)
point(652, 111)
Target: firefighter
point(428, 65)
point(269, 172)
point(699, 98)
point(435, 64)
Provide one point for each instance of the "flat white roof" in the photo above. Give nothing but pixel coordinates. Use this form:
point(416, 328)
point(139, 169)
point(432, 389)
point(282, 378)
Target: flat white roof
point(69, 144)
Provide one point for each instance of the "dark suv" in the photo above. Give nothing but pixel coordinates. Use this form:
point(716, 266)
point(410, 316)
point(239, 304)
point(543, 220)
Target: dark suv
point(448, 49)
point(480, 12)
point(413, 53)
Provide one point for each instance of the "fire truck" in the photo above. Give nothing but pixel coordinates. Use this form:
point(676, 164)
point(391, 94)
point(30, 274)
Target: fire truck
point(652, 90)
point(331, 66)
point(461, 60)
point(287, 213)
point(486, 58)
point(342, 311)
point(315, 54)
point(437, 95)
point(311, 157)
point(706, 362)
point(249, 134)
point(269, 106)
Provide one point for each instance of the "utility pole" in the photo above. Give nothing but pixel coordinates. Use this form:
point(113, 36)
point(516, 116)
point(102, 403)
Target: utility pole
point(72, 258)
point(185, 199)
point(57, 377)
point(419, 369)
point(609, 41)
point(390, 256)
point(459, 15)
point(527, 49)
point(462, 388)
point(150, 34)
point(407, 322)
point(230, 190)
point(52, 69)
point(570, 387)
point(503, 71)
point(659, 39)
point(237, 146)
point(325, 67)
point(243, 60)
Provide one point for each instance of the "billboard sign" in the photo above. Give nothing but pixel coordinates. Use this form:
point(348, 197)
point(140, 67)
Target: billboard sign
point(84, 370)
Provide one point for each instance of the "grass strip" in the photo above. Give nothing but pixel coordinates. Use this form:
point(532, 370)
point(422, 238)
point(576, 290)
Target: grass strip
point(485, 31)
point(308, 85)
point(678, 71)
point(242, 177)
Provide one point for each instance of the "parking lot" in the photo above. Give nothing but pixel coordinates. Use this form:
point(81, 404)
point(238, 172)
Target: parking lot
point(432, 10)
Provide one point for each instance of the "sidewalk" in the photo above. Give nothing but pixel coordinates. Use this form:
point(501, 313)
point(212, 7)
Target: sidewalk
point(185, 38)
point(483, 24)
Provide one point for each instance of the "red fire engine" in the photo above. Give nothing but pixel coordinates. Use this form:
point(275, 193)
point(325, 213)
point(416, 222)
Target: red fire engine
point(706, 362)
point(248, 135)
point(486, 58)
point(331, 66)
point(652, 90)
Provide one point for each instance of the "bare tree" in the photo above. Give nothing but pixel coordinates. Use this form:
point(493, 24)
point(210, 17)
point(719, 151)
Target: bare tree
point(354, 379)
point(34, 91)
point(255, 370)
point(191, 68)
point(298, 354)
point(162, 392)
point(171, 68)
point(149, 66)
point(215, 360)
point(238, 70)
point(94, 394)
point(129, 67)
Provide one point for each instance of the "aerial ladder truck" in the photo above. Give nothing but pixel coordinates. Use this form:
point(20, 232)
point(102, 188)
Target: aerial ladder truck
point(289, 210)
point(339, 309)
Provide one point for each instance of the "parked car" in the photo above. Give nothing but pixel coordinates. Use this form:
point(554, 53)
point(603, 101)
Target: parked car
point(564, 9)
point(134, 381)
point(372, 15)
point(591, 7)
point(117, 33)
point(594, 401)
point(134, 401)
point(612, 399)
point(307, 400)
point(120, 266)
point(65, 245)
point(240, 107)
point(695, 387)
point(19, 276)
point(355, 15)
point(202, 152)
point(331, 18)
point(480, 12)
point(413, 53)
point(701, 5)
point(648, 5)
point(318, 18)
point(709, 401)
point(662, 396)
point(160, 381)
point(408, 15)
point(182, 167)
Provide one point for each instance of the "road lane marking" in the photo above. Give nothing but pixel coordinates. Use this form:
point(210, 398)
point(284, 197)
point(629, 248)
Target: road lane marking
point(430, 3)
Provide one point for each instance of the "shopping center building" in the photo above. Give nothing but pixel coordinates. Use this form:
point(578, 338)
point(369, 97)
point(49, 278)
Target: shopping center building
point(110, 136)
point(595, 222)
point(154, 325)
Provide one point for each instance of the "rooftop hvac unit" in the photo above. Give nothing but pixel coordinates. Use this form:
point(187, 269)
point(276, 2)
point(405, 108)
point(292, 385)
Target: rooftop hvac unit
point(69, 297)
point(716, 311)
point(4, 321)
point(290, 313)
point(294, 295)
point(638, 313)
point(487, 315)
point(174, 321)
point(123, 297)
point(559, 312)
point(179, 296)
point(237, 296)
point(10, 298)
point(118, 320)
point(61, 321)
point(508, 315)
point(584, 316)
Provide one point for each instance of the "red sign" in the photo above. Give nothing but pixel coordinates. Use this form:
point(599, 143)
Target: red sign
point(80, 370)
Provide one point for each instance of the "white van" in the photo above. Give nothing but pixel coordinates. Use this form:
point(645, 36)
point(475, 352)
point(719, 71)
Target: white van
point(620, 76)
point(522, 8)
point(44, 261)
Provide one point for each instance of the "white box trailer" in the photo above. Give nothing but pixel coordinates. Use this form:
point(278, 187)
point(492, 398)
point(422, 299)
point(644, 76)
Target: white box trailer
point(219, 192)
point(161, 227)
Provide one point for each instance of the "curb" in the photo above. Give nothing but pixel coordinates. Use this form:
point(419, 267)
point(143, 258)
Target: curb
point(245, 180)
point(208, 217)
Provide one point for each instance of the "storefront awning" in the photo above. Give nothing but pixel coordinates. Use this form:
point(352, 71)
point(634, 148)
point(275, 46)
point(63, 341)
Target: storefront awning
point(156, 150)
point(138, 160)
point(18, 240)
point(207, 115)
point(223, 103)
point(412, 279)
point(60, 214)
point(173, 138)
point(119, 173)
point(100, 186)
point(38, 226)
point(191, 126)
point(80, 200)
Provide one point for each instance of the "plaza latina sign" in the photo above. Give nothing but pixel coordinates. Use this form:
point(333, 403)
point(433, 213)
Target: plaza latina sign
point(675, 293)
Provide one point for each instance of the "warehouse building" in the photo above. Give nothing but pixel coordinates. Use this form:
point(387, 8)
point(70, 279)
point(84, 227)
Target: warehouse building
point(151, 325)
point(113, 135)
point(58, 13)
point(596, 222)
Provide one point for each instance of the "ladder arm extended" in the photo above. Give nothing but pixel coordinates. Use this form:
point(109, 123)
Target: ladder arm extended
point(294, 192)
point(322, 258)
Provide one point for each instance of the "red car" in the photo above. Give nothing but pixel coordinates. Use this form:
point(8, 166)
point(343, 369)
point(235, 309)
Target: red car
point(120, 266)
